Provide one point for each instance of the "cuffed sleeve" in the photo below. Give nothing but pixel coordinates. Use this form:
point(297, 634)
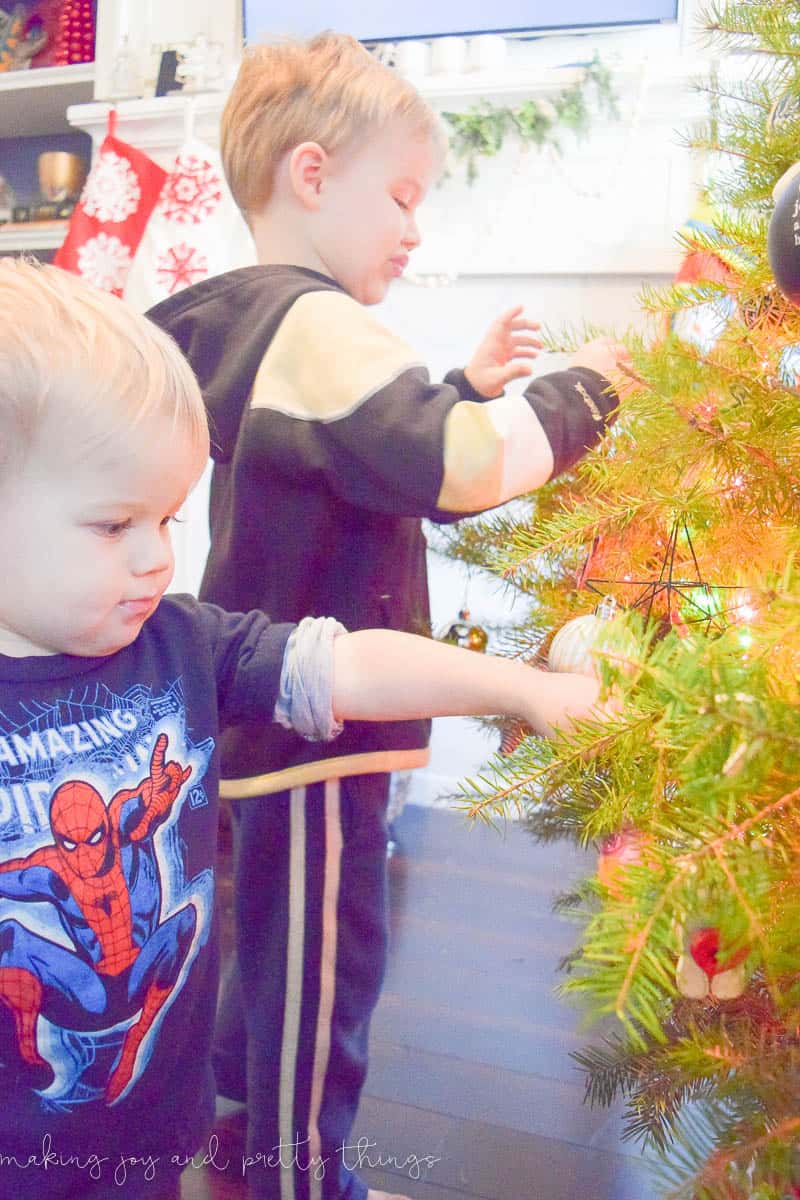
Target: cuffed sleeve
point(305, 698)
point(574, 408)
point(457, 378)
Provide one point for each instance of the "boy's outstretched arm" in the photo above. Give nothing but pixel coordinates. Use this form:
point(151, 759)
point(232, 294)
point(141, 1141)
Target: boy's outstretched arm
point(383, 675)
point(504, 445)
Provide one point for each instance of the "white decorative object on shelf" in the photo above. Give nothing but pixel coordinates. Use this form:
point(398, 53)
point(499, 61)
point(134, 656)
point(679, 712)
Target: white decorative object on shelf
point(178, 26)
point(127, 81)
point(412, 59)
point(384, 52)
point(201, 66)
point(487, 52)
point(448, 55)
point(7, 200)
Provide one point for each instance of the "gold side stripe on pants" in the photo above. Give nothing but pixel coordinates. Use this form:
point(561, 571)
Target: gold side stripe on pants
point(380, 762)
point(294, 979)
point(327, 991)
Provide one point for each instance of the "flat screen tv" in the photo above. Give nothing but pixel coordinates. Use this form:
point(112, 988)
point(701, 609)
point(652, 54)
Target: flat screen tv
point(389, 22)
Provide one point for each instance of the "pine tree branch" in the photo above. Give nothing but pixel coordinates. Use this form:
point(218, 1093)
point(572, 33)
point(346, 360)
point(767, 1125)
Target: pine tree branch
point(755, 925)
point(745, 1149)
point(638, 945)
point(738, 831)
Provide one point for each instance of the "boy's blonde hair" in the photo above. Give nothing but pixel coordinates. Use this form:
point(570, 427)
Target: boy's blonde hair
point(327, 90)
point(68, 350)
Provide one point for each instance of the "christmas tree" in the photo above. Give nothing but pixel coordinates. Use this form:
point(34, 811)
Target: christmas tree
point(688, 520)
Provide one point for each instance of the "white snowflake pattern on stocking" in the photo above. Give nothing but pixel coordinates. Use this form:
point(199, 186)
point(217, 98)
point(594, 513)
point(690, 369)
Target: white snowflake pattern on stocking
point(192, 191)
point(112, 191)
point(181, 266)
point(104, 261)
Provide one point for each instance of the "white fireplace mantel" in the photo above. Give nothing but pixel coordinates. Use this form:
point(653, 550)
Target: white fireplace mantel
point(607, 204)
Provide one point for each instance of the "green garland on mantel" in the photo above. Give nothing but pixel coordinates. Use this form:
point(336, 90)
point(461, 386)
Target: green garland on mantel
point(481, 131)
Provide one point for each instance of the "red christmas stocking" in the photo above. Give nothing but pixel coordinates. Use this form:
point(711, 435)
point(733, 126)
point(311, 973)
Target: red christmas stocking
point(110, 217)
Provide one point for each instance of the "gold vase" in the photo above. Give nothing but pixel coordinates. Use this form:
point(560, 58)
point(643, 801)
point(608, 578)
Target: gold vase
point(61, 175)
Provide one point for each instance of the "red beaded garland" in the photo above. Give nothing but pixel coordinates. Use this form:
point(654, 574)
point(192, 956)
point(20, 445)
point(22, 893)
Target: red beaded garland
point(76, 33)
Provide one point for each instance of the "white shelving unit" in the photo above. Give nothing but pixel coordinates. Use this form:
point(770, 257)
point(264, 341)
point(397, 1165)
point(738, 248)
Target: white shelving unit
point(35, 101)
point(44, 235)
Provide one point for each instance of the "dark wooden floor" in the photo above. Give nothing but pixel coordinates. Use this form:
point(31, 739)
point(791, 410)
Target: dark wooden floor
point(471, 1091)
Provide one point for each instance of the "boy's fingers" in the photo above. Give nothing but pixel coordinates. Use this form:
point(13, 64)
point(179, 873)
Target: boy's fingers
point(523, 335)
point(515, 371)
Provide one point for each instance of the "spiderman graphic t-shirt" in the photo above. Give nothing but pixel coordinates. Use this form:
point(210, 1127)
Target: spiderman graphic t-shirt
point(108, 960)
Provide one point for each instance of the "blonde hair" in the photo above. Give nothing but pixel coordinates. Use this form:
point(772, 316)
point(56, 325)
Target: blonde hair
point(68, 350)
point(327, 90)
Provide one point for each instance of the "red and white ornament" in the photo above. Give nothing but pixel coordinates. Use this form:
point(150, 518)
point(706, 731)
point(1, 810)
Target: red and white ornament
point(699, 973)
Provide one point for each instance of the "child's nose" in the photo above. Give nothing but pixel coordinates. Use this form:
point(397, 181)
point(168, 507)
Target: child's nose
point(413, 237)
point(151, 553)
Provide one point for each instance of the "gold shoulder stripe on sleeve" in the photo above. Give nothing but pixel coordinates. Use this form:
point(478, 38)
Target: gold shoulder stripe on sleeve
point(328, 356)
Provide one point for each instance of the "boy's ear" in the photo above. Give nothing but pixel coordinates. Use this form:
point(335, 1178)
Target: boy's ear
point(307, 164)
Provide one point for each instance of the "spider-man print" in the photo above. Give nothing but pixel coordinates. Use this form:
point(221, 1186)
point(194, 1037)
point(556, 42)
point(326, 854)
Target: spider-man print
point(101, 874)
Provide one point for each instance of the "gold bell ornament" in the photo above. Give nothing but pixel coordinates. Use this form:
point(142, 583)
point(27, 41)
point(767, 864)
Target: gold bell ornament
point(464, 634)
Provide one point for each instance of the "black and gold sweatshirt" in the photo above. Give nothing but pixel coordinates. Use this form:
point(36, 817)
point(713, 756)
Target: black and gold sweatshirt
point(330, 444)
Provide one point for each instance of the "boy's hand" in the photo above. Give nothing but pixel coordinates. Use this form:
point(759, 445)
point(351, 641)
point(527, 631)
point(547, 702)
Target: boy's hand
point(608, 358)
point(560, 698)
point(496, 360)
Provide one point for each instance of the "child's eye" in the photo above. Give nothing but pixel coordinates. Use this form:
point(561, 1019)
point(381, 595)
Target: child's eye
point(172, 520)
point(401, 203)
point(112, 528)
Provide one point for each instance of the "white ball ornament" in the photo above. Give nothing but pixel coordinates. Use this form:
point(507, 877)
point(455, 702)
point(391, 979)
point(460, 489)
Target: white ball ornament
point(575, 646)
